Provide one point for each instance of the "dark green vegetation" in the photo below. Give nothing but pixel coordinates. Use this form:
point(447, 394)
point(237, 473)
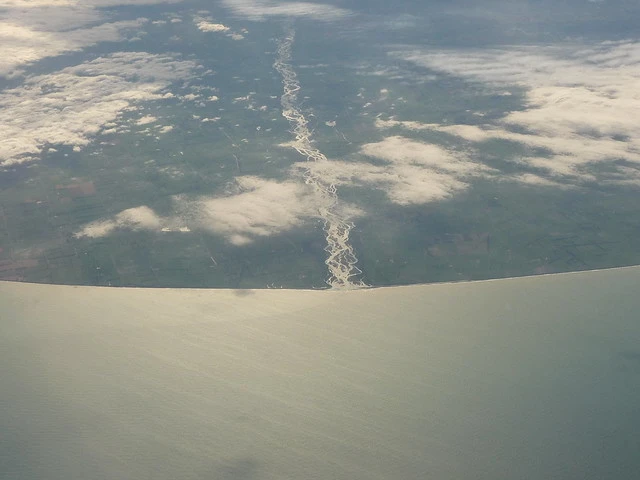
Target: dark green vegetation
point(494, 228)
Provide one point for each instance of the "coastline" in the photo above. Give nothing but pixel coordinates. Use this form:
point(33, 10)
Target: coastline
point(368, 288)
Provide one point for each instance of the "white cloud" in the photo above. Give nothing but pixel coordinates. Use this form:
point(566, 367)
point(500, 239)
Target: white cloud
point(403, 184)
point(139, 218)
point(532, 180)
point(146, 120)
point(582, 102)
point(25, 4)
point(257, 208)
point(20, 45)
point(408, 171)
point(71, 106)
point(412, 172)
point(261, 9)
point(404, 151)
point(31, 30)
point(406, 124)
point(50, 18)
point(204, 25)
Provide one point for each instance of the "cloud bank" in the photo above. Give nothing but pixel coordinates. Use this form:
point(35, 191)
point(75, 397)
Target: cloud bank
point(581, 104)
point(31, 30)
point(20, 45)
point(71, 106)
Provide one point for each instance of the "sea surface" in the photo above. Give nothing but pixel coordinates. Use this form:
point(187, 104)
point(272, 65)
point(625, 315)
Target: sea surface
point(528, 378)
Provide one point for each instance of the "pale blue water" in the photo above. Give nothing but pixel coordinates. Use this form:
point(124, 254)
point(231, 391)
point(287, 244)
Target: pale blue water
point(526, 378)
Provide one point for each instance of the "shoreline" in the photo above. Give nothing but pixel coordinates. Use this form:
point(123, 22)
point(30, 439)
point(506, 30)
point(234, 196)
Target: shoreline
point(324, 290)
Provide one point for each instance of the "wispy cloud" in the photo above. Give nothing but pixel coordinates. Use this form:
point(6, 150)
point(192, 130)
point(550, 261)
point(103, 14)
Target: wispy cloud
point(408, 171)
point(581, 103)
point(31, 30)
point(257, 208)
point(71, 3)
point(70, 106)
point(21, 45)
point(261, 9)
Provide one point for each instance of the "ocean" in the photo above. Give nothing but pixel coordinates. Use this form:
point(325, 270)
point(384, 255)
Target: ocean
point(527, 378)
